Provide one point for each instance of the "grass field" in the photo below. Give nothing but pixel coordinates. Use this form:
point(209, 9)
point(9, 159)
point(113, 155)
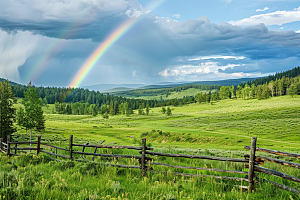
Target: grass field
point(36, 177)
point(228, 124)
point(219, 130)
point(173, 95)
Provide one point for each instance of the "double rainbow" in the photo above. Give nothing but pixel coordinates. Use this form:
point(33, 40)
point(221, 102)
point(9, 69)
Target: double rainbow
point(105, 45)
point(54, 48)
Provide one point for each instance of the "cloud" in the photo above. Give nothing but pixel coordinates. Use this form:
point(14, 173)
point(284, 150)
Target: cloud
point(15, 50)
point(60, 11)
point(67, 19)
point(274, 18)
point(193, 70)
point(177, 16)
point(260, 10)
point(154, 49)
point(218, 57)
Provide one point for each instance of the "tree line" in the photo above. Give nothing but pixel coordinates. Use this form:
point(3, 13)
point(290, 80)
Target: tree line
point(278, 75)
point(279, 87)
point(29, 116)
point(165, 91)
point(51, 95)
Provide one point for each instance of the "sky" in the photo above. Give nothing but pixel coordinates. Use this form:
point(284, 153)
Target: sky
point(88, 42)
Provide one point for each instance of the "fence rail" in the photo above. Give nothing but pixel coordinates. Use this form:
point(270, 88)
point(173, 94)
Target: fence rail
point(281, 162)
point(111, 147)
point(251, 160)
point(49, 145)
point(281, 153)
point(199, 168)
point(261, 159)
point(197, 157)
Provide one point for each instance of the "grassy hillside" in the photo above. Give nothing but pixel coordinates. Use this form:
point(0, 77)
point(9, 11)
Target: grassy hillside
point(36, 177)
point(172, 95)
point(221, 130)
point(228, 124)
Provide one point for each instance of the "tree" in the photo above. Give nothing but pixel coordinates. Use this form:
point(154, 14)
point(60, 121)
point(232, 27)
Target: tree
point(111, 108)
point(169, 112)
point(293, 90)
point(105, 116)
point(147, 109)
point(141, 110)
point(7, 111)
point(116, 108)
point(31, 117)
point(163, 109)
point(94, 110)
point(126, 108)
point(103, 109)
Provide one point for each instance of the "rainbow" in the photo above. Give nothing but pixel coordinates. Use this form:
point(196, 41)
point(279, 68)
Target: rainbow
point(54, 49)
point(105, 45)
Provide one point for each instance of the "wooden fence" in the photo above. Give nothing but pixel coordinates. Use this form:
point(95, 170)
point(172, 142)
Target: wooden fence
point(251, 161)
point(255, 161)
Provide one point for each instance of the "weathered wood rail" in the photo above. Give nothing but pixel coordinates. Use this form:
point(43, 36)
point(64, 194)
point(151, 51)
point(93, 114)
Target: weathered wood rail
point(261, 159)
point(146, 163)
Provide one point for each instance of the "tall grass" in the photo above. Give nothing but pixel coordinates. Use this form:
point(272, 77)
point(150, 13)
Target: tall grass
point(37, 177)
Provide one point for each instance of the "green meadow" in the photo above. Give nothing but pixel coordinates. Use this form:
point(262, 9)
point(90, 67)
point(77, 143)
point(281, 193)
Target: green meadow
point(220, 130)
point(227, 124)
point(172, 95)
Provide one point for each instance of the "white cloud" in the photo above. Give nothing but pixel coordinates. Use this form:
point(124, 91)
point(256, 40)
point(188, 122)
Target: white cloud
point(218, 57)
point(297, 8)
point(260, 10)
point(274, 18)
point(62, 10)
point(134, 73)
point(176, 16)
point(167, 72)
point(298, 31)
point(192, 70)
point(14, 51)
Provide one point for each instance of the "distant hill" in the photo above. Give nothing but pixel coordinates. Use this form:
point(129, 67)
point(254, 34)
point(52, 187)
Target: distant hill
point(163, 93)
point(105, 87)
point(109, 88)
point(118, 89)
point(219, 82)
point(10, 82)
point(278, 75)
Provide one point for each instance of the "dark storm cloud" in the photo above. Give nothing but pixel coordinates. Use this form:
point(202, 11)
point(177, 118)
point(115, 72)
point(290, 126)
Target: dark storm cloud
point(155, 48)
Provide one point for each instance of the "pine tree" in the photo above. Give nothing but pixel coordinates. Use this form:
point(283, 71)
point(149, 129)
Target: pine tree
point(169, 112)
point(32, 116)
point(147, 109)
point(7, 111)
point(111, 108)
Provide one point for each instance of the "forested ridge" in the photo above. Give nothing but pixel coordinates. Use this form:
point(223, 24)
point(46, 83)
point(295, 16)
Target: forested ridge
point(164, 91)
point(284, 83)
point(79, 101)
point(278, 75)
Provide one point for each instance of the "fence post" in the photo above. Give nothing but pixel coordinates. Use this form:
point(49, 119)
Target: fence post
point(143, 160)
point(16, 146)
point(38, 145)
point(251, 164)
point(8, 145)
point(1, 140)
point(71, 146)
